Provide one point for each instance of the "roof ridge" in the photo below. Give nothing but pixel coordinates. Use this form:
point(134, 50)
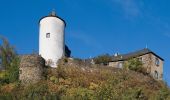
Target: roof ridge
point(135, 54)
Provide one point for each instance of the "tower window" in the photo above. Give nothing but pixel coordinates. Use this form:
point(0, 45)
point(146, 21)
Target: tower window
point(47, 35)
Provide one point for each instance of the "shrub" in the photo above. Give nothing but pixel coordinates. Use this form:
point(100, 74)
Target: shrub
point(134, 94)
point(79, 94)
point(13, 70)
point(61, 72)
point(54, 79)
point(163, 94)
point(6, 96)
point(106, 92)
point(34, 91)
point(135, 65)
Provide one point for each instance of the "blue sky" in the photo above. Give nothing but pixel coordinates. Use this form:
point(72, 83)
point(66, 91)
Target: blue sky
point(94, 27)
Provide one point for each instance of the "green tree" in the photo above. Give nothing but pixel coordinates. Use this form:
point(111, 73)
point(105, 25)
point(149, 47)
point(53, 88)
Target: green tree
point(9, 60)
point(103, 59)
point(7, 53)
point(134, 64)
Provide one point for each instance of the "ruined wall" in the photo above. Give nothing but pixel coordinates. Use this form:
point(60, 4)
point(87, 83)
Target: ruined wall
point(31, 69)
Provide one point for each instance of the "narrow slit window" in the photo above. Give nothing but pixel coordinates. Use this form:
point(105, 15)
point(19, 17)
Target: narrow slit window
point(156, 75)
point(47, 35)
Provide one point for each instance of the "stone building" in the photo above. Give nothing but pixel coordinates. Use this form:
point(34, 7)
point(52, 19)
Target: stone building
point(31, 69)
point(150, 60)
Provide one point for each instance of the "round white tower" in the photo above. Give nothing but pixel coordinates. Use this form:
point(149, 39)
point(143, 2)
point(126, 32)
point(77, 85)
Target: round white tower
point(51, 39)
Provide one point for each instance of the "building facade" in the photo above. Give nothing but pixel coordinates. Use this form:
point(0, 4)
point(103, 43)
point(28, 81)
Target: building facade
point(150, 61)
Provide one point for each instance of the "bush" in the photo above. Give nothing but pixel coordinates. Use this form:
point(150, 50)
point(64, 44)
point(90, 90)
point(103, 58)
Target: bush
point(35, 91)
point(135, 65)
point(106, 92)
point(134, 94)
point(6, 96)
point(13, 70)
point(79, 94)
point(163, 94)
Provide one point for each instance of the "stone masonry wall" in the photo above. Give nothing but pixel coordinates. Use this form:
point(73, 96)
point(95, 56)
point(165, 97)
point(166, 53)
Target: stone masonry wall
point(31, 69)
point(148, 61)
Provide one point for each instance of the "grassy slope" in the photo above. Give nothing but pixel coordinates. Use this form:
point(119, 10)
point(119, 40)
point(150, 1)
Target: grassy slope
point(76, 80)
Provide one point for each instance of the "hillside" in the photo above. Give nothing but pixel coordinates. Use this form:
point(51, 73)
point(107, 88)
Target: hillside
point(76, 80)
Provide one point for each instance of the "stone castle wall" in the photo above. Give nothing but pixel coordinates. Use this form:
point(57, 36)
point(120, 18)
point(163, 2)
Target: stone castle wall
point(148, 61)
point(31, 69)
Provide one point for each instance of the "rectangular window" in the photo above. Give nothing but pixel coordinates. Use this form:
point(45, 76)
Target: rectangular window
point(157, 62)
point(47, 35)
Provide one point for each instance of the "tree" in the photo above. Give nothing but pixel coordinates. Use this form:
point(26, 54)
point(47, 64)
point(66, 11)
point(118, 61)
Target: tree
point(135, 65)
point(7, 53)
point(9, 60)
point(103, 59)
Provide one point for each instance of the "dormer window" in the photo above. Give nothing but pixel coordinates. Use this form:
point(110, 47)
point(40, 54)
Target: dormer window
point(157, 62)
point(47, 35)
